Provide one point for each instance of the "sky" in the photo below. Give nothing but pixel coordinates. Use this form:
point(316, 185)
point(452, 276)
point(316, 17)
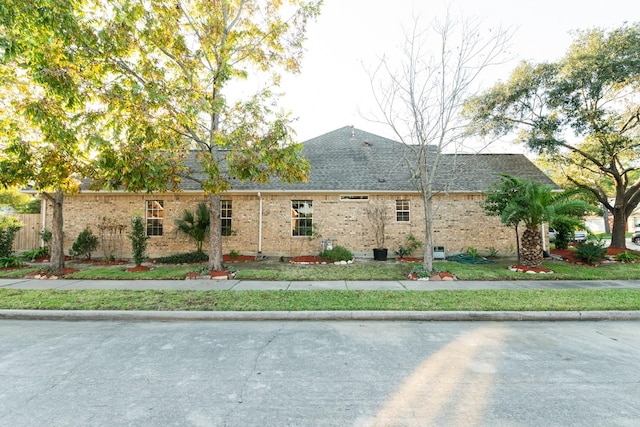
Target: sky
point(333, 88)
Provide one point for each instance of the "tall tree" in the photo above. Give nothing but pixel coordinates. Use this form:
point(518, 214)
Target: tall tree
point(42, 96)
point(421, 96)
point(582, 113)
point(174, 65)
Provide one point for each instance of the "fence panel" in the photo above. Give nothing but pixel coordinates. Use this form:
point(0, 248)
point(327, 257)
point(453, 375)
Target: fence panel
point(29, 236)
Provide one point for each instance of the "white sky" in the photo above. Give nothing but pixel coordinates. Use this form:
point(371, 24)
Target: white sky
point(333, 88)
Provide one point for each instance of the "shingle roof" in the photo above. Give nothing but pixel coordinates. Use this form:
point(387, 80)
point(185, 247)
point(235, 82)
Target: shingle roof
point(350, 159)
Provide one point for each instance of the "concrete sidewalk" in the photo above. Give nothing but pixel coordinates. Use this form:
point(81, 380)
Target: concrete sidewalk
point(242, 285)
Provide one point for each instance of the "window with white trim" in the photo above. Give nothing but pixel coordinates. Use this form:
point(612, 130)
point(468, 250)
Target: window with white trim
point(301, 218)
point(402, 210)
point(225, 217)
point(154, 216)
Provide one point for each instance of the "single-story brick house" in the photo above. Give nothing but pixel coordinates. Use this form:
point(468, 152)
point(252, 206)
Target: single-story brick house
point(350, 171)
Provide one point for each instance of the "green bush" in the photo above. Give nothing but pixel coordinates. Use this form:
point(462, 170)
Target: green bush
point(139, 239)
point(338, 253)
point(627, 257)
point(9, 226)
point(185, 258)
point(591, 252)
point(34, 254)
point(412, 245)
point(86, 243)
point(10, 261)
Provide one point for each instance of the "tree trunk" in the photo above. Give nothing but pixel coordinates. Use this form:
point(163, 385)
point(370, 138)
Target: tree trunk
point(215, 236)
point(56, 263)
point(427, 263)
point(531, 255)
point(618, 233)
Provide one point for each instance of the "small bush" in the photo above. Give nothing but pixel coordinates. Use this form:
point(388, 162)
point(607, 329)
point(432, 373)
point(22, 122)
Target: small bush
point(412, 245)
point(338, 253)
point(10, 261)
point(86, 243)
point(185, 258)
point(33, 254)
point(627, 257)
point(591, 252)
point(139, 239)
point(9, 226)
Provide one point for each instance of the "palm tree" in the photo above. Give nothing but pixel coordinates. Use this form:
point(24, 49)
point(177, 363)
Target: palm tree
point(535, 204)
point(195, 225)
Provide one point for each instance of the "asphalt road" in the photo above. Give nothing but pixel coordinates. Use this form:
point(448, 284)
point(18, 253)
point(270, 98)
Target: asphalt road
point(269, 373)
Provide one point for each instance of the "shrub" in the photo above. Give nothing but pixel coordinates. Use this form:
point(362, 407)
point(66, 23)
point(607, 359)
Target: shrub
point(139, 239)
point(33, 254)
point(185, 258)
point(412, 245)
point(590, 252)
point(9, 226)
point(338, 253)
point(627, 257)
point(86, 243)
point(10, 261)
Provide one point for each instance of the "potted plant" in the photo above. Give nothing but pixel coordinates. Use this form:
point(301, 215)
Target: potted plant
point(378, 216)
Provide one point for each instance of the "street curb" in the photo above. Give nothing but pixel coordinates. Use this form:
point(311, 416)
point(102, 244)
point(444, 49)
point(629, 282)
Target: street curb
point(164, 316)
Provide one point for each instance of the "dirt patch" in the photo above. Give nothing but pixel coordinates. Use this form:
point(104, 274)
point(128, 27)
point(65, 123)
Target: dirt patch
point(138, 268)
point(409, 259)
point(307, 259)
point(238, 258)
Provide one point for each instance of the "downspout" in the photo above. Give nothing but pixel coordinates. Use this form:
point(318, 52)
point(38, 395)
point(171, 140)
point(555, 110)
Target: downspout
point(544, 240)
point(260, 225)
point(43, 219)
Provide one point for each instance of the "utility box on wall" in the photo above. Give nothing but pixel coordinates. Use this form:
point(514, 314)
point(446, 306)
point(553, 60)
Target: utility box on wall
point(438, 252)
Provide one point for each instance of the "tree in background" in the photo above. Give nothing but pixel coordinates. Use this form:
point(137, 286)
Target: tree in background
point(581, 113)
point(174, 66)
point(14, 201)
point(421, 96)
point(43, 98)
point(517, 200)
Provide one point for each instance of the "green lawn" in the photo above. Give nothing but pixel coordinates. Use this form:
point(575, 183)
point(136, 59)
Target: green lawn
point(485, 300)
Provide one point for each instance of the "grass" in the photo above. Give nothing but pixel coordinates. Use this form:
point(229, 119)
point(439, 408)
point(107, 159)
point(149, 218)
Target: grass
point(485, 300)
point(120, 273)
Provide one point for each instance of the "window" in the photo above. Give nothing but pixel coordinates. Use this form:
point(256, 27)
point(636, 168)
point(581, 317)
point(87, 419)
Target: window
point(354, 197)
point(225, 217)
point(154, 217)
point(402, 210)
point(301, 217)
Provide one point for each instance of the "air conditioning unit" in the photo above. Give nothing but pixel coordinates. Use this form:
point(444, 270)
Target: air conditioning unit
point(438, 252)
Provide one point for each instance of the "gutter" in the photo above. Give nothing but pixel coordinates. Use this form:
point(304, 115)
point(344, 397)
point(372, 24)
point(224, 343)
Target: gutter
point(260, 225)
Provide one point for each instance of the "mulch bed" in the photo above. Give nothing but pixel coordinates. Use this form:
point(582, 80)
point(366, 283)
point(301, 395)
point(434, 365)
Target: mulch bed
point(569, 255)
point(238, 258)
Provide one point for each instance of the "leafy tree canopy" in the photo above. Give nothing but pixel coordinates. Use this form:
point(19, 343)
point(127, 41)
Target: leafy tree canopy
point(582, 113)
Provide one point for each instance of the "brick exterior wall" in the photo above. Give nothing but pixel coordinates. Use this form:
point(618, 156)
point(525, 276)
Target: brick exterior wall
point(459, 222)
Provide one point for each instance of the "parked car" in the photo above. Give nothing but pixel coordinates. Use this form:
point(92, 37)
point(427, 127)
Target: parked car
point(636, 235)
point(578, 236)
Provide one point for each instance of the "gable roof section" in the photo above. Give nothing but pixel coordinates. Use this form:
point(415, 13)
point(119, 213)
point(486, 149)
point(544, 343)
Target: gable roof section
point(353, 160)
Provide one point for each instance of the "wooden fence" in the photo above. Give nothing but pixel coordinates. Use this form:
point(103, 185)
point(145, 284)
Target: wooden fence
point(29, 236)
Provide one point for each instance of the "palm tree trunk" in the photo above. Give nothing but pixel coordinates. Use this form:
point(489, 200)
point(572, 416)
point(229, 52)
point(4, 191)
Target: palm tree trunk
point(532, 255)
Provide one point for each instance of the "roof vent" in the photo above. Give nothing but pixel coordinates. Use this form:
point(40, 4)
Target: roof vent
point(381, 179)
point(353, 133)
point(368, 144)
